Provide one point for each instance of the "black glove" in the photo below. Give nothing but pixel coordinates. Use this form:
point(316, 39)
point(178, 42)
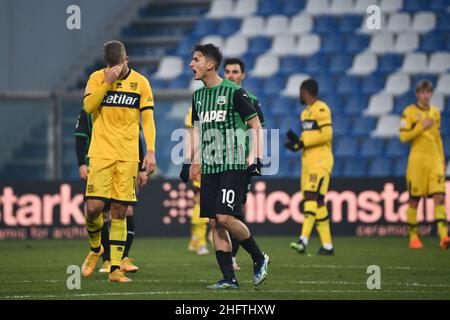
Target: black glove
point(255, 169)
point(184, 174)
point(292, 141)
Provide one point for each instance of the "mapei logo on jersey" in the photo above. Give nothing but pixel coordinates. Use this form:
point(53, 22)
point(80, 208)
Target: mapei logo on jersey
point(221, 100)
point(121, 99)
point(310, 125)
point(214, 115)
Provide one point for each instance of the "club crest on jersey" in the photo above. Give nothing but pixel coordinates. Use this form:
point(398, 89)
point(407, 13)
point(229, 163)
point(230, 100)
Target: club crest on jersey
point(121, 99)
point(214, 115)
point(221, 100)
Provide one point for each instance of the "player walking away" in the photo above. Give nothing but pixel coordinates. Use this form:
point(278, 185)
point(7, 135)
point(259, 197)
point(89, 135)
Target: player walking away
point(199, 226)
point(222, 106)
point(425, 175)
point(234, 70)
point(83, 132)
point(116, 96)
point(317, 164)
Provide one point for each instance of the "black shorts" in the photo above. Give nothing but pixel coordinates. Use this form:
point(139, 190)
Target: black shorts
point(222, 193)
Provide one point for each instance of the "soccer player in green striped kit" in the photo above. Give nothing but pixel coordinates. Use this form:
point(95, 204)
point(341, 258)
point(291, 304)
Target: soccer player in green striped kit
point(221, 110)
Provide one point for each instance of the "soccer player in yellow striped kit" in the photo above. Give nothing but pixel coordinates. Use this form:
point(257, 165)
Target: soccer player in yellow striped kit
point(317, 164)
point(425, 175)
point(118, 97)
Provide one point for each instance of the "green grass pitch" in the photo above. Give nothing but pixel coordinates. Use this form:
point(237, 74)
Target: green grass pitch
point(37, 270)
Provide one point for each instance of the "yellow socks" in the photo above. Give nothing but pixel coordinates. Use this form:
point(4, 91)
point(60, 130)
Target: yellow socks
point(94, 228)
point(310, 212)
point(323, 227)
point(411, 220)
point(117, 239)
point(440, 218)
point(198, 226)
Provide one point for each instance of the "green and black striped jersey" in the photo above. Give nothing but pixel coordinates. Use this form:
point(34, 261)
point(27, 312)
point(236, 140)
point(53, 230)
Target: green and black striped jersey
point(222, 112)
point(83, 128)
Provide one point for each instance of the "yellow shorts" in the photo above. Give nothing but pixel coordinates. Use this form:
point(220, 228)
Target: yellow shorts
point(425, 176)
point(315, 180)
point(112, 180)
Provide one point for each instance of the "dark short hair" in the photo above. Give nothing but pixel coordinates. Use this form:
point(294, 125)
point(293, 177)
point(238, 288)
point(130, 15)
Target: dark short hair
point(424, 85)
point(114, 52)
point(311, 86)
point(235, 61)
point(210, 51)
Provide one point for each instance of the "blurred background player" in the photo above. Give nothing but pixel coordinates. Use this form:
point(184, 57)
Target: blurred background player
point(83, 131)
point(199, 226)
point(222, 105)
point(425, 174)
point(234, 70)
point(117, 97)
point(317, 164)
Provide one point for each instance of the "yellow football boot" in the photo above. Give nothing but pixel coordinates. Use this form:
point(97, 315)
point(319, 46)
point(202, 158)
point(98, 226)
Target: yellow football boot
point(90, 263)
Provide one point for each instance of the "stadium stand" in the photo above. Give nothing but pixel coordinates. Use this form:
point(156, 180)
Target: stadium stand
point(366, 76)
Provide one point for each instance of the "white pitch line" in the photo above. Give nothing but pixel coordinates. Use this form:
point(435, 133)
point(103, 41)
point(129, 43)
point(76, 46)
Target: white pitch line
point(203, 292)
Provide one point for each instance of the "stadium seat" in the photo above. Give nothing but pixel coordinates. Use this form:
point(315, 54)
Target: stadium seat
point(397, 84)
point(390, 6)
point(332, 44)
point(272, 87)
point(293, 7)
point(346, 147)
point(400, 166)
point(371, 148)
point(293, 85)
point(253, 26)
point(215, 40)
point(357, 43)
point(380, 167)
point(361, 6)
point(415, 63)
point(443, 84)
point(439, 62)
point(381, 43)
point(228, 26)
point(169, 68)
point(380, 104)
point(406, 42)
point(308, 45)
point(244, 8)
point(316, 64)
point(424, 22)
point(277, 24)
point(301, 24)
point(340, 63)
point(195, 84)
point(396, 149)
point(354, 106)
point(399, 22)
point(341, 7)
point(291, 64)
point(432, 42)
point(316, 7)
point(363, 126)
point(341, 124)
point(206, 27)
point(439, 5)
point(372, 84)
point(259, 45)
point(363, 64)
point(235, 45)
point(326, 24)
point(387, 127)
point(221, 9)
point(414, 6)
point(348, 24)
point(348, 85)
point(284, 44)
point(438, 100)
point(283, 106)
point(388, 63)
point(269, 7)
point(354, 168)
point(266, 66)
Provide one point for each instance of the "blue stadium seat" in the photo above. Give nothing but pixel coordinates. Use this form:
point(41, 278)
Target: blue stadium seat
point(415, 79)
point(414, 6)
point(274, 87)
point(206, 27)
point(355, 105)
point(293, 7)
point(380, 167)
point(332, 43)
point(326, 24)
point(269, 7)
point(229, 26)
point(259, 45)
point(372, 84)
point(439, 5)
point(283, 106)
point(346, 146)
point(371, 148)
point(340, 63)
point(158, 84)
point(316, 64)
point(348, 24)
point(291, 64)
point(432, 42)
point(400, 165)
point(357, 43)
point(254, 85)
point(348, 85)
point(326, 84)
point(181, 82)
point(402, 101)
point(446, 143)
point(444, 22)
point(388, 63)
point(249, 60)
point(363, 126)
point(396, 149)
point(354, 168)
point(333, 100)
point(445, 126)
